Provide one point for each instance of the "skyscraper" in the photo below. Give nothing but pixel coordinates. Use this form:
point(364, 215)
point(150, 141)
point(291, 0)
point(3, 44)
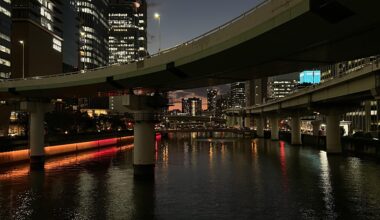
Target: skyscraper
point(192, 106)
point(94, 31)
point(238, 94)
point(256, 91)
point(36, 29)
point(223, 102)
point(281, 86)
point(127, 38)
point(211, 99)
point(70, 36)
point(5, 38)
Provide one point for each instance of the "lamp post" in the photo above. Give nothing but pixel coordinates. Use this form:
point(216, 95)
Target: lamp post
point(23, 58)
point(157, 16)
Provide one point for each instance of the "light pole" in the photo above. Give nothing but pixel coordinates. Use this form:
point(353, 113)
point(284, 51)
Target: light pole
point(23, 58)
point(157, 16)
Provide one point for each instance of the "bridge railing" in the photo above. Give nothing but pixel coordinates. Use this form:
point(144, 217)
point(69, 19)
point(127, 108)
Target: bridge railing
point(262, 3)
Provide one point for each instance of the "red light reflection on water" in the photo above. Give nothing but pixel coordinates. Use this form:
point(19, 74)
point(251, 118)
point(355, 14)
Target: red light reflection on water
point(283, 165)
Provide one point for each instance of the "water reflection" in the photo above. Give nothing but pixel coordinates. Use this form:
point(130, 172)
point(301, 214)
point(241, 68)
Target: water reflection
point(328, 197)
point(283, 166)
point(196, 177)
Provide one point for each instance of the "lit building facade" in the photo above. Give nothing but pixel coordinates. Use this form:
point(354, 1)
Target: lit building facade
point(5, 38)
point(365, 119)
point(211, 99)
point(33, 22)
point(256, 91)
point(94, 32)
point(192, 106)
point(128, 33)
point(281, 86)
point(310, 77)
point(238, 99)
point(223, 102)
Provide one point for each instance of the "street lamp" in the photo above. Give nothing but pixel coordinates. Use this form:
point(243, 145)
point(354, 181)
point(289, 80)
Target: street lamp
point(157, 16)
point(23, 58)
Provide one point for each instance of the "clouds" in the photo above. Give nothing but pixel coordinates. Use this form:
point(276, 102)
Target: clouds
point(178, 95)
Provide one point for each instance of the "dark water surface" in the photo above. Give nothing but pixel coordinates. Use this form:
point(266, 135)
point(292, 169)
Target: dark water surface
point(196, 178)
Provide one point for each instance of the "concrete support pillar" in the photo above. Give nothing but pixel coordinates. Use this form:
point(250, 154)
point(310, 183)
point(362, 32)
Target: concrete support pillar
point(296, 130)
point(230, 121)
point(37, 110)
point(260, 126)
point(37, 134)
point(367, 109)
point(316, 127)
point(143, 109)
point(143, 152)
point(248, 121)
point(274, 127)
point(333, 144)
point(240, 121)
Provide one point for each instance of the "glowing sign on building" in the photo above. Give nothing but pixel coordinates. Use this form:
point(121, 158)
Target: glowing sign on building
point(310, 76)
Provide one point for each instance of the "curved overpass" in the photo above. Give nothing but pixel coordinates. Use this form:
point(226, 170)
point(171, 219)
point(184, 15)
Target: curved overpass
point(277, 37)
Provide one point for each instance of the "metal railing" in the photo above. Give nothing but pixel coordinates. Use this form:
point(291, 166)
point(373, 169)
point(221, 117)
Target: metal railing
point(223, 26)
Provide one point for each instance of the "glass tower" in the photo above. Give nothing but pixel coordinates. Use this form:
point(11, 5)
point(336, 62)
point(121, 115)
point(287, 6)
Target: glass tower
point(127, 39)
point(94, 31)
point(5, 39)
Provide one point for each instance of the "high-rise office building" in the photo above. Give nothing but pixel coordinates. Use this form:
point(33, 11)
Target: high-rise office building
point(223, 102)
point(127, 37)
point(36, 29)
point(238, 95)
point(70, 47)
point(192, 106)
point(211, 99)
point(5, 38)
point(256, 91)
point(281, 86)
point(94, 32)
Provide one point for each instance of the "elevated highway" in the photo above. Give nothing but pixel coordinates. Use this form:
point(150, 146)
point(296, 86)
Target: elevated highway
point(277, 37)
point(341, 93)
point(332, 99)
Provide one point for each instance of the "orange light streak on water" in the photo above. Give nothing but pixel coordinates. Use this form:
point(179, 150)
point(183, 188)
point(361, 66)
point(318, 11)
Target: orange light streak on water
point(51, 164)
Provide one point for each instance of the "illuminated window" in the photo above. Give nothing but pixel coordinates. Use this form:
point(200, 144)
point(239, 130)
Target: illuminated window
point(57, 45)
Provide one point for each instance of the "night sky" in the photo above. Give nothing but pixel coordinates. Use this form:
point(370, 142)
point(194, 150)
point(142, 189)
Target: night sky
point(183, 20)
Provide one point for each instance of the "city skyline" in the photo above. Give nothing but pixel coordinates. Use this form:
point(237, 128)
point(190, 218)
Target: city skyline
point(186, 26)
